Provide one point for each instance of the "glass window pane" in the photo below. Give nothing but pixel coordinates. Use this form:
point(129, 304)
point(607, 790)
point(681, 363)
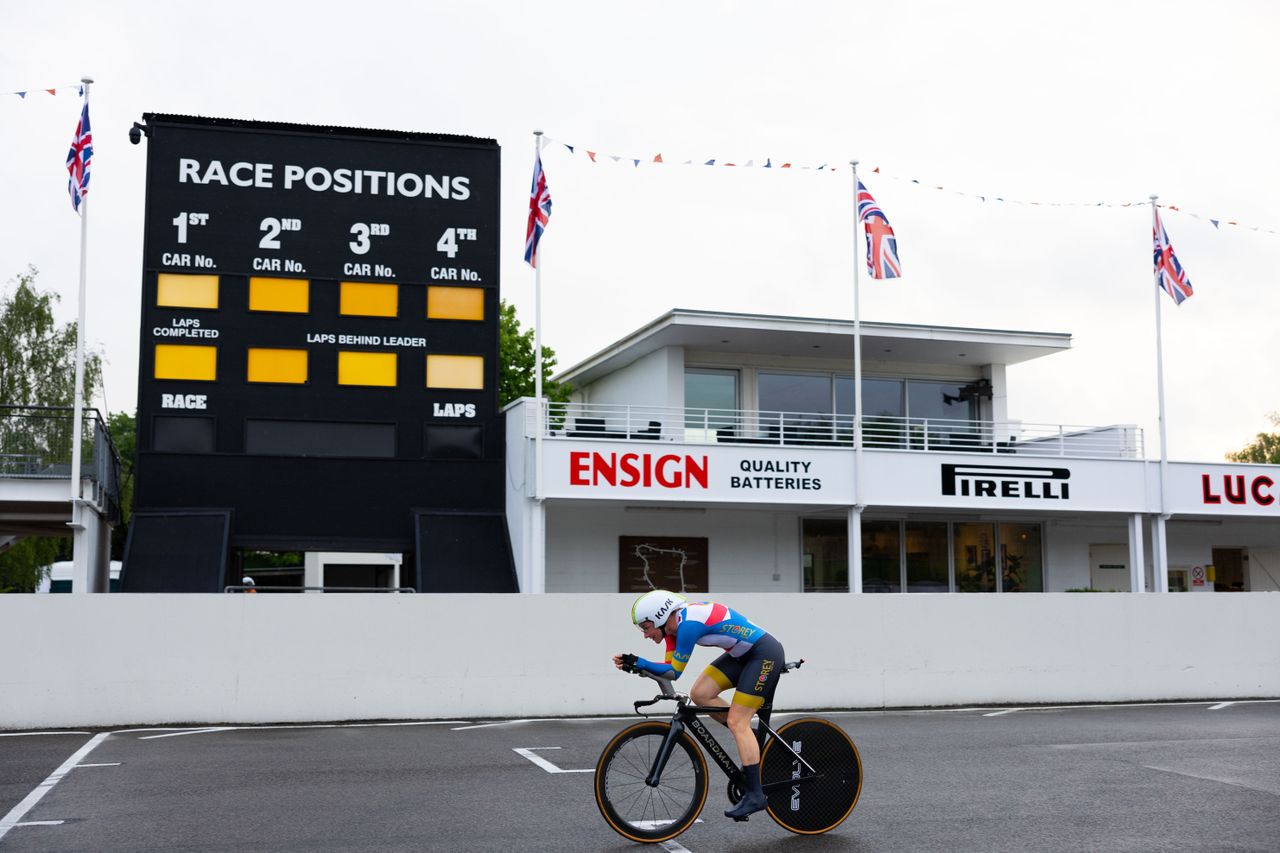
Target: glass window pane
point(366, 299)
point(1020, 554)
point(826, 555)
point(975, 557)
point(711, 398)
point(367, 368)
point(455, 303)
point(174, 290)
point(804, 399)
point(927, 556)
point(455, 371)
point(937, 400)
point(289, 295)
point(881, 557)
point(186, 361)
point(881, 409)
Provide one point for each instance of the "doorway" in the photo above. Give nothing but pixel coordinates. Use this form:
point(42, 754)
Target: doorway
point(1228, 570)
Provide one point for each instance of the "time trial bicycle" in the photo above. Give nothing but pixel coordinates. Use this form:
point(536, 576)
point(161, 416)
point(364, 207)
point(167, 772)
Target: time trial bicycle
point(651, 780)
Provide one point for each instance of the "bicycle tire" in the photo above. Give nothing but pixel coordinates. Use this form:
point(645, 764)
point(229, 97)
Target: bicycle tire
point(631, 807)
point(822, 805)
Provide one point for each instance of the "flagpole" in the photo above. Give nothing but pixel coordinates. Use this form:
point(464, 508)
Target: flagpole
point(1159, 552)
point(855, 513)
point(539, 578)
point(80, 579)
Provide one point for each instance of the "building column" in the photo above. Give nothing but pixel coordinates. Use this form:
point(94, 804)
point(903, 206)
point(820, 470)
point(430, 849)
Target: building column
point(312, 569)
point(1137, 559)
point(538, 537)
point(855, 549)
point(1159, 555)
point(91, 563)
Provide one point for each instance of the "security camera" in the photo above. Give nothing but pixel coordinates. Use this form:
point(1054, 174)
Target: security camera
point(135, 132)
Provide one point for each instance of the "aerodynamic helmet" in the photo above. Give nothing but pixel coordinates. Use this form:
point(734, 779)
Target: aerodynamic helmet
point(656, 606)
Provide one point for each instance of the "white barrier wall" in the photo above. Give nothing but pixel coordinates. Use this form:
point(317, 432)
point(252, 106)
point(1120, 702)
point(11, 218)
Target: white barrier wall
point(109, 660)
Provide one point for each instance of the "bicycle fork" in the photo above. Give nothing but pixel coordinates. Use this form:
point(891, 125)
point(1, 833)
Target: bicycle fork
point(664, 753)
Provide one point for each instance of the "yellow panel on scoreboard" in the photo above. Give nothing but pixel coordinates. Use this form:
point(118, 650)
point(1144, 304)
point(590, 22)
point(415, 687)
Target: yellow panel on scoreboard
point(186, 361)
point(455, 303)
point(455, 371)
point(174, 290)
point(277, 365)
point(367, 368)
point(288, 295)
point(366, 299)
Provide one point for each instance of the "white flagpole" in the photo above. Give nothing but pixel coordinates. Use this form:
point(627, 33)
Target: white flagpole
point(80, 579)
point(539, 574)
point(855, 514)
point(1159, 551)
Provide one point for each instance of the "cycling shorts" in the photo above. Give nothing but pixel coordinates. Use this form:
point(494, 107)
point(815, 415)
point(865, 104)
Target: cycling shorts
point(755, 674)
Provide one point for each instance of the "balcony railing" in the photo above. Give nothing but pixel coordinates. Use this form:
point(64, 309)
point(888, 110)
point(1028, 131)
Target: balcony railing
point(36, 442)
point(817, 429)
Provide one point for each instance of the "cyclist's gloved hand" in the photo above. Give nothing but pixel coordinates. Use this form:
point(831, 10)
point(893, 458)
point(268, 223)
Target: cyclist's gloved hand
point(629, 663)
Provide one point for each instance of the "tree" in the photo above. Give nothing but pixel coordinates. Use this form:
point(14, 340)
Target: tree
point(1265, 448)
point(516, 357)
point(123, 429)
point(37, 368)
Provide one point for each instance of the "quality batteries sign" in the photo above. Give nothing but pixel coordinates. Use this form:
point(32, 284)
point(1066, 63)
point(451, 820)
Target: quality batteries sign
point(243, 198)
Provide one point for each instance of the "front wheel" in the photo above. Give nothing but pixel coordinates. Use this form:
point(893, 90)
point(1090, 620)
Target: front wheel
point(799, 801)
point(629, 805)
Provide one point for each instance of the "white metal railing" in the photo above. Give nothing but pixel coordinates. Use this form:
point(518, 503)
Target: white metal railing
point(739, 426)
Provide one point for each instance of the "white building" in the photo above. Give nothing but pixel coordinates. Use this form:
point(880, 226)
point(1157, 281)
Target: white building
point(717, 450)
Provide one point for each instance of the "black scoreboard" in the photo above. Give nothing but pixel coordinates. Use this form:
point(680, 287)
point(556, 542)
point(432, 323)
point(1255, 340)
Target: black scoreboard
point(319, 352)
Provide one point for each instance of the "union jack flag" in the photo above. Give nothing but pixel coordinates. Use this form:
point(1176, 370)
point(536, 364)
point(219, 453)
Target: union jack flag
point(539, 212)
point(78, 159)
point(1169, 273)
point(882, 246)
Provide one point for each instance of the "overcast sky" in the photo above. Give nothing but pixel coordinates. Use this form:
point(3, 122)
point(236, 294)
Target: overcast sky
point(1083, 103)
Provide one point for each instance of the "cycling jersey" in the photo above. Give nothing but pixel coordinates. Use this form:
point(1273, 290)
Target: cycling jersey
point(704, 624)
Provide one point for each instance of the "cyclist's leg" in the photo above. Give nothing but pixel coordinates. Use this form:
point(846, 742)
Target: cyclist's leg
point(755, 686)
point(718, 677)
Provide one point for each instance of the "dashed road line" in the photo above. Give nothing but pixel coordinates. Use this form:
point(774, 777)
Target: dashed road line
point(527, 752)
point(15, 815)
point(33, 734)
point(1005, 711)
point(1221, 705)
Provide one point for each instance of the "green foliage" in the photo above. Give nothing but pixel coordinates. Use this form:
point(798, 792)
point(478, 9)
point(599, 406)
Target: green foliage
point(517, 362)
point(1265, 448)
point(37, 368)
point(272, 560)
point(37, 356)
point(123, 428)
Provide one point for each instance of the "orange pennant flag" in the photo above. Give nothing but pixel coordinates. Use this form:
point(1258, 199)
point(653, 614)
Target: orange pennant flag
point(657, 158)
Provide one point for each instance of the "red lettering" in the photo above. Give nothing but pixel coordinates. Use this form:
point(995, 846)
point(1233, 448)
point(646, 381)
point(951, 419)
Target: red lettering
point(627, 465)
point(577, 468)
point(661, 472)
point(1209, 496)
point(694, 472)
point(1235, 496)
point(604, 470)
point(1256, 488)
point(648, 470)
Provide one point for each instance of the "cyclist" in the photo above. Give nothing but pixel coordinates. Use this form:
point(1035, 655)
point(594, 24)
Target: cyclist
point(752, 662)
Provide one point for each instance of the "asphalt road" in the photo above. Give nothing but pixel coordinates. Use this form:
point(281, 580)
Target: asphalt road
point(1112, 778)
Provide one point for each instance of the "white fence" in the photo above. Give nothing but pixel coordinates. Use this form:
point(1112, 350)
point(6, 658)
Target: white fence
point(109, 660)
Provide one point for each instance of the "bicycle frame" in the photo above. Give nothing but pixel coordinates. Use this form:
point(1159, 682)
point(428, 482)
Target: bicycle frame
point(685, 718)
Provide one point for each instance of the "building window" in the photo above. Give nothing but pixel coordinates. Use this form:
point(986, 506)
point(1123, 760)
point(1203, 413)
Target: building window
point(282, 295)
point(287, 366)
point(711, 403)
point(366, 299)
point(825, 557)
point(186, 361)
point(455, 303)
point(1021, 558)
point(975, 554)
point(464, 372)
point(926, 556)
point(881, 556)
point(367, 368)
point(186, 291)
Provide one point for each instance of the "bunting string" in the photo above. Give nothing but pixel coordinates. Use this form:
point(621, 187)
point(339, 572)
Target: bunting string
point(986, 198)
point(52, 91)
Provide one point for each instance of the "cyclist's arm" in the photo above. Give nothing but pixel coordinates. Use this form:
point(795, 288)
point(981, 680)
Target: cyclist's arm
point(679, 648)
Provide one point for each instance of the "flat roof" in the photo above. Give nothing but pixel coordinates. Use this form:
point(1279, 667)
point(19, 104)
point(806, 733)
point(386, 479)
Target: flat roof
point(810, 337)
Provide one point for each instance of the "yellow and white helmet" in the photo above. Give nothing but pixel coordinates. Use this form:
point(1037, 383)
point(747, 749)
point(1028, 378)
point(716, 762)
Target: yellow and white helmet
point(656, 606)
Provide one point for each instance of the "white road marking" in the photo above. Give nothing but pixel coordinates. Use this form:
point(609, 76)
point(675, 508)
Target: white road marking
point(41, 823)
point(543, 763)
point(211, 729)
point(16, 814)
point(111, 764)
point(542, 720)
point(32, 734)
point(1221, 705)
point(1005, 711)
point(674, 847)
